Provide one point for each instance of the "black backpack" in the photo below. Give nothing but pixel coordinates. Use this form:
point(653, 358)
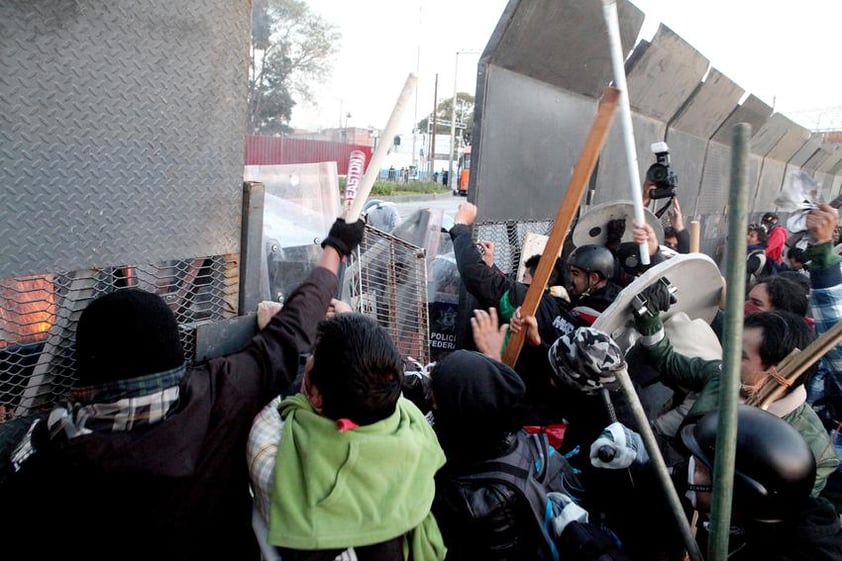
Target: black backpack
point(532, 469)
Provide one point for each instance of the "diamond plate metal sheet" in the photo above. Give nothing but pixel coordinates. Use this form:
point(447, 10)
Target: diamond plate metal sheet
point(665, 75)
point(826, 158)
point(531, 33)
point(716, 98)
point(541, 59)
point(528, 143)
point(771, 135)
point(752, 111)
point(687, 158)
point(769, 185)
point(121, 131)
point(612, 175)
point(837, 187)
point(794, 138)
point(807, 151)
point(713, 193)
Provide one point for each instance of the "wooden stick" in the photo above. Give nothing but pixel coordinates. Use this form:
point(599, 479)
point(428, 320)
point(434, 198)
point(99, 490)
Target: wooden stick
point(695, 236)
point(795, 364)
point(564, 217)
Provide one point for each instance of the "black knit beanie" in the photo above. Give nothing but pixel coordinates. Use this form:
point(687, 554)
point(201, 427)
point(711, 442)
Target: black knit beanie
point(126, 334)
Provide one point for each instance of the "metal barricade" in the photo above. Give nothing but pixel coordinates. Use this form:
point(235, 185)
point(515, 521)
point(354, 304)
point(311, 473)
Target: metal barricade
point(387, 280)
point(39, 315)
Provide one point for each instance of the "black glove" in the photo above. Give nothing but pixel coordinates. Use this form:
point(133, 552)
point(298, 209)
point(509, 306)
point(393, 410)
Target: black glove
point(657, 299)
point(614, 231)
point(343, 237)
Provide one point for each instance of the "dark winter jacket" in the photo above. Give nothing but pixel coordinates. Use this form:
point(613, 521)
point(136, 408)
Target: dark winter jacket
point(477, 419)
point(588, 306)
point(554, 317)
point(177, 489)
point(813, 534)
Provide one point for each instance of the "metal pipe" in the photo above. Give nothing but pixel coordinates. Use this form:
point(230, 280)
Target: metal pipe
point(609, 9)
point(726, 439)
point(658, 464)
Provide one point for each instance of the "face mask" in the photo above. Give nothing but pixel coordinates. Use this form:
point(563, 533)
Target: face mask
point(691, 476)
point(692, 488)
point(751, 308)
point(747, 391)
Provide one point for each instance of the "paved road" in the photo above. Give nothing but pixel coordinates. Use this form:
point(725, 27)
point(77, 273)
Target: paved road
point(447, 203)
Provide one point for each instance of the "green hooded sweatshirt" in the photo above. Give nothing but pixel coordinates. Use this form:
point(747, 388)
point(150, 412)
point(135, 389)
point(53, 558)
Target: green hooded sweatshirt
point(359, 487)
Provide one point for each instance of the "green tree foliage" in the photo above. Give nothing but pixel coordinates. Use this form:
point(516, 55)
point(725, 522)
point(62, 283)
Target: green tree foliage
point(291, 48)
point(464, 114)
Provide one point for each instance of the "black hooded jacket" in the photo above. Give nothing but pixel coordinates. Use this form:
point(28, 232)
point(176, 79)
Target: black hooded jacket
point(554, 316)
point(478, 412)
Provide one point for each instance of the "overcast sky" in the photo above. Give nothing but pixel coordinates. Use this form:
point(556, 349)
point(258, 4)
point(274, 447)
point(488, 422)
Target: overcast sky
point(783, 55)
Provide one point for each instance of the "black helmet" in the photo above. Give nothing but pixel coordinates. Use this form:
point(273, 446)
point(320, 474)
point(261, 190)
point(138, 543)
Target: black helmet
point(593, 259)
point(774, 466)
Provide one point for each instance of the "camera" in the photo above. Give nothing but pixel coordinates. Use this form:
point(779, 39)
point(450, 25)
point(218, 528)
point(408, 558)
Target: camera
point(660, 174)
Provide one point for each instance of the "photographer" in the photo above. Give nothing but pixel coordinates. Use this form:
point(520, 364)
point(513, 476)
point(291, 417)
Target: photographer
point(661, 183)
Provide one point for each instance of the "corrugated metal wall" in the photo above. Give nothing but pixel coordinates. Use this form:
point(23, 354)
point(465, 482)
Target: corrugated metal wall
point(265, 150)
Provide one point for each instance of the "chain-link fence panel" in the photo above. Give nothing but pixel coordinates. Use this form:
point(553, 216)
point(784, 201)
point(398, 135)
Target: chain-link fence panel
point(386, 279)
point(508, 238)
point(39, 315)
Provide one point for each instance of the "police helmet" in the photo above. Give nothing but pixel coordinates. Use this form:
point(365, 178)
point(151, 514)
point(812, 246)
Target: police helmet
point(593, 259)
point(774, 466)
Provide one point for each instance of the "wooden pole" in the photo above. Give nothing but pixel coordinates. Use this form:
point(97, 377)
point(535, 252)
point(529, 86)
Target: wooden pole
point(695, 236)
point(795, 364)
point(564, 217)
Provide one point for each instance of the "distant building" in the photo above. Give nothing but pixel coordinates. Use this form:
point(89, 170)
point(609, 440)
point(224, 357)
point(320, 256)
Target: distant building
point(349, 135)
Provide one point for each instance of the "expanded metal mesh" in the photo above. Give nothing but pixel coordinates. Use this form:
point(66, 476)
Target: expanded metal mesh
point(387, 280)
point(39, 315)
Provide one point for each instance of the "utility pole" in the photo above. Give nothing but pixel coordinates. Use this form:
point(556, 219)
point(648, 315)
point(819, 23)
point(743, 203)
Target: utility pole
point(417, 73)
point(432, 154)
point(453, 116)
point(452, 125)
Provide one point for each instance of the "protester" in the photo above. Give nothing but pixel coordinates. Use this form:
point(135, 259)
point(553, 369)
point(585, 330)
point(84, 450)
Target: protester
point(755, 254)
point(491, 288)
point(591, 288)
point(773, 515)
point(797, 259)
point(776, 236)
point(768, 337)
point(347, 462)
point(146, 460)
point(490, 512)
point(776, 293)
